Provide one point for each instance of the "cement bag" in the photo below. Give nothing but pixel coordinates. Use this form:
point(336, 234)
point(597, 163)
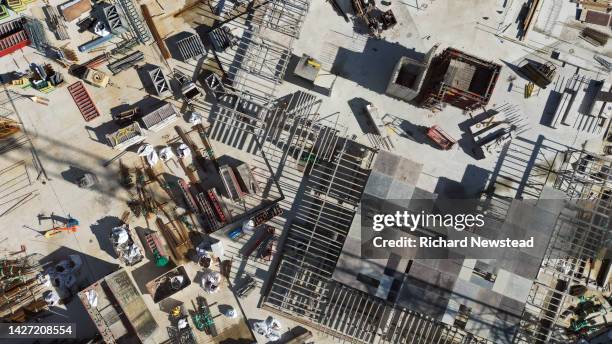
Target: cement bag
point(183, 151)
point(261, 328)
point(152, 158)
point(273, 323)
point(211, 281)
point(195, 118)
point(182, 323)
point(44, 279)
point(165, 154)
point(51, 297)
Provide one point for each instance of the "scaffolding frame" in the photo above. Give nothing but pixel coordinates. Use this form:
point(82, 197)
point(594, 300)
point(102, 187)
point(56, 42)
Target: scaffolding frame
point(302, 287)
point(585, 175)
point(581, 231)
point(137, 25)
point(158, 80)
point(265, 32)
point(437, 92)
point(284, 16)
point(312, 247)
point(292, 124)
point(254, 66)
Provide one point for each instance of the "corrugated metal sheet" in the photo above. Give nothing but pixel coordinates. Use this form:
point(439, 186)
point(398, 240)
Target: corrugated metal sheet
point(159, 118)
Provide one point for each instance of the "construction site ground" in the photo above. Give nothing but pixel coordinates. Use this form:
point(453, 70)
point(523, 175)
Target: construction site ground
point(66, 146)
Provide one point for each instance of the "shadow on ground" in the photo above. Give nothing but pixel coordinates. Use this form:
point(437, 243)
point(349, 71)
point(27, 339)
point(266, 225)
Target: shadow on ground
point(102, 230)
point(372, 67)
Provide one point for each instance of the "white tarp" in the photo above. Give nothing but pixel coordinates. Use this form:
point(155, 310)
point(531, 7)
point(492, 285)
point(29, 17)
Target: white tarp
point(51, 297)
point(195, 117)
point(152, 158)
point(100, 29)
point(217, 249)
point(270, 328)
point(132, 254)
point(120, 235)
point(145, 149)
point(210, 282)
point(92, 298)
point(183, 151)
point(166, 153)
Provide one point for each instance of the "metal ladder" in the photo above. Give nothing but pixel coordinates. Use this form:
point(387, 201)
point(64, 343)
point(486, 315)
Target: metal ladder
point(151, 244)
point(136, 21)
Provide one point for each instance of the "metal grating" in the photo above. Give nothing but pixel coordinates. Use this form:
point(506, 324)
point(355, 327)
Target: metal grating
point(159, 118)
point(56, 23)
point(83, 101)
point(190, 47)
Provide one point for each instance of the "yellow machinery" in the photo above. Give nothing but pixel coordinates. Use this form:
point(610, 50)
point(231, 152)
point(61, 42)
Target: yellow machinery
point(313, 63)
point(8, 128)
point(307, 68)
point(529, 89)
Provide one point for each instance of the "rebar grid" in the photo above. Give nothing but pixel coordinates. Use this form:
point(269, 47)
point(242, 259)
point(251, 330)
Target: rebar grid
point(284, 16)
point(581, 232)
point(256, 62)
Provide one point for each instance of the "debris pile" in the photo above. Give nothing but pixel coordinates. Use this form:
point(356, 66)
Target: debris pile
point(169, 283)
point(40, 77)
point(63, 275)
point(211, 281)
point(270, 328)
point(127, 251)
point(21, 290)
point(374, 18)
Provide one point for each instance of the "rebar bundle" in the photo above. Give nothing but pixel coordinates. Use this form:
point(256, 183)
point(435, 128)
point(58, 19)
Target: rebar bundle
point(97, 61)
point(12, 270)
point(20, 289)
